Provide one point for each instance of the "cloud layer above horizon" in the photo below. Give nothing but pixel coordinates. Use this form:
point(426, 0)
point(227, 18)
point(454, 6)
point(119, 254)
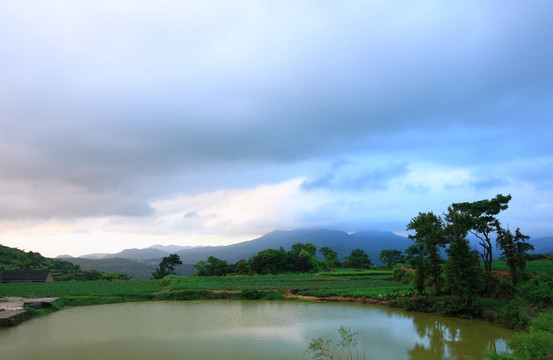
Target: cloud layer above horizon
point(210, 122)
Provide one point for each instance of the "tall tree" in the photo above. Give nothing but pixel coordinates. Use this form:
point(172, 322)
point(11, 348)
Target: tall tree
point(330, 257)
point(483, 214)
point(429, 236)
point(514, 249)
point(415, 257)
point(462, 269)
point(390, 257)
point(167, 266)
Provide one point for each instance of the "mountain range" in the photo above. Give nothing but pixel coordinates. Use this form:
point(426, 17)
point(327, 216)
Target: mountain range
point(145, 260)
point(341, 242)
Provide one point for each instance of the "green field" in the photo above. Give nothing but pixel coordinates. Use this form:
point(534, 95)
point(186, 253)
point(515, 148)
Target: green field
point(539, 267)
point(365, 284)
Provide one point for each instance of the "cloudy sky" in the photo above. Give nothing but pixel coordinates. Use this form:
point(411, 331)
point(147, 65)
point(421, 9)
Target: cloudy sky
point(125, 124)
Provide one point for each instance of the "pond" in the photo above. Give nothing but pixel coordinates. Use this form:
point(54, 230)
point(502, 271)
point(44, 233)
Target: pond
point(242, 330)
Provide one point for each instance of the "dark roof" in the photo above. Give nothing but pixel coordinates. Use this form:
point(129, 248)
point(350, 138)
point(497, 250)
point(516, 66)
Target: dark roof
point(24, 275)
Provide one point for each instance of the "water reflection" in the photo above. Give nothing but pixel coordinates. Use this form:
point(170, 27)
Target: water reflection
point(454, 338)
point(242, 330)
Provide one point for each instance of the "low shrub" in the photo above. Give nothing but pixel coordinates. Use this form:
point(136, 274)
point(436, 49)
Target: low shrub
point(419, 303)
point(537, 343)
point(514, 317)
point(274, 295)
point(538, 291)
point(403, 275)
point(460, 306)
point(497, 287)
point(252, 294)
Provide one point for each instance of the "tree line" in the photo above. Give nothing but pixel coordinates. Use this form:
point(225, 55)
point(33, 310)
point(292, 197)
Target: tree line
point(301, 258)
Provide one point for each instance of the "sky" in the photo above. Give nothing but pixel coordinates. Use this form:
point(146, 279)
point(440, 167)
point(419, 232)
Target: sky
point(125, 124)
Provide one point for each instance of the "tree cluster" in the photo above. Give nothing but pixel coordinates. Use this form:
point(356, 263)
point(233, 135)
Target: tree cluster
point(300, 259)
point(461, 274)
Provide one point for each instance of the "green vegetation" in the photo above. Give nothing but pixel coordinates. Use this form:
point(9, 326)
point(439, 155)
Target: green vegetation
point(514, 250)
point(68, 289)
point(537, 343)
point(365, 284)
point(460, 278)
point(167, 266)
point(391, 257)
point(300, 259)
point(358, 259)
point(346, 348)
point(425, 253)
point(15, 259)
point(541, 267)
point(459, 286)
point(483, 222)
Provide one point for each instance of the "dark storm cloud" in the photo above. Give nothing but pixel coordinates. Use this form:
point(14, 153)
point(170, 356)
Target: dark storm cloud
point(114, 97)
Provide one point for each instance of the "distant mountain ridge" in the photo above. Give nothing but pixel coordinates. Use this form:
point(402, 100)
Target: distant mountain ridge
point(341, 242)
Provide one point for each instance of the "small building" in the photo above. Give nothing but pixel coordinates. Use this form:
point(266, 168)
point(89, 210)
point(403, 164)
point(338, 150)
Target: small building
point(10, 276)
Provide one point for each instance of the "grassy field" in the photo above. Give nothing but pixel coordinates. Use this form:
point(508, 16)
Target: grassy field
point(539, 267)
point(363, 284)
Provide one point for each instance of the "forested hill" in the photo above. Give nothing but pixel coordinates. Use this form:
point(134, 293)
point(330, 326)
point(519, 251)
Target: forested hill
point(15, 259)
point(372, 242)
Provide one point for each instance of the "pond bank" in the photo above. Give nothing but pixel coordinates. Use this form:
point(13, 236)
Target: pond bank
point(13, 309)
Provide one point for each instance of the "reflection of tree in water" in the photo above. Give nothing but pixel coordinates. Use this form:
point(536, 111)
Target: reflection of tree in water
point(453, 340)
point(431, 332)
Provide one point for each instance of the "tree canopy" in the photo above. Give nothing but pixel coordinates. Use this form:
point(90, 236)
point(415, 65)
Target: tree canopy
point(483, 214)
point(167, 266)
point(358, 259)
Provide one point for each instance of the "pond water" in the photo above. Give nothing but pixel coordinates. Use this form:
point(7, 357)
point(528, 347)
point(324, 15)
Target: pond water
point(242, 330)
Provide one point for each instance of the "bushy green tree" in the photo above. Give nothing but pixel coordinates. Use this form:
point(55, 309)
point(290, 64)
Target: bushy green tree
point(330, 258)
point(514, 249)
point(302, 257)
point(463, 278)
point(200, 267)
point(270, 261)
point(358, 259)
point(216, 267)
point(242, 267)
point(483, 214)
point(416, 258)
point(167, 266)
point(429, 237)
point(391, 257)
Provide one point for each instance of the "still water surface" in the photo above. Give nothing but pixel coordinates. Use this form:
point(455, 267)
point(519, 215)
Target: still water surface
point(242, 330)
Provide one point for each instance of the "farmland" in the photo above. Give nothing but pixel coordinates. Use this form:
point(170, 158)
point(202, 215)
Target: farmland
point(361, 284)
point(540, 267)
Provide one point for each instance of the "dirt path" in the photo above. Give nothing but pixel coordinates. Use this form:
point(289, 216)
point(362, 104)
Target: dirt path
point(290, 295)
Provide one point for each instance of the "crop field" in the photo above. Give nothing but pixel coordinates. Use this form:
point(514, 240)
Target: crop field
point(540, 267)
point(81, 288)
point(365, 284)
point(374, 284)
